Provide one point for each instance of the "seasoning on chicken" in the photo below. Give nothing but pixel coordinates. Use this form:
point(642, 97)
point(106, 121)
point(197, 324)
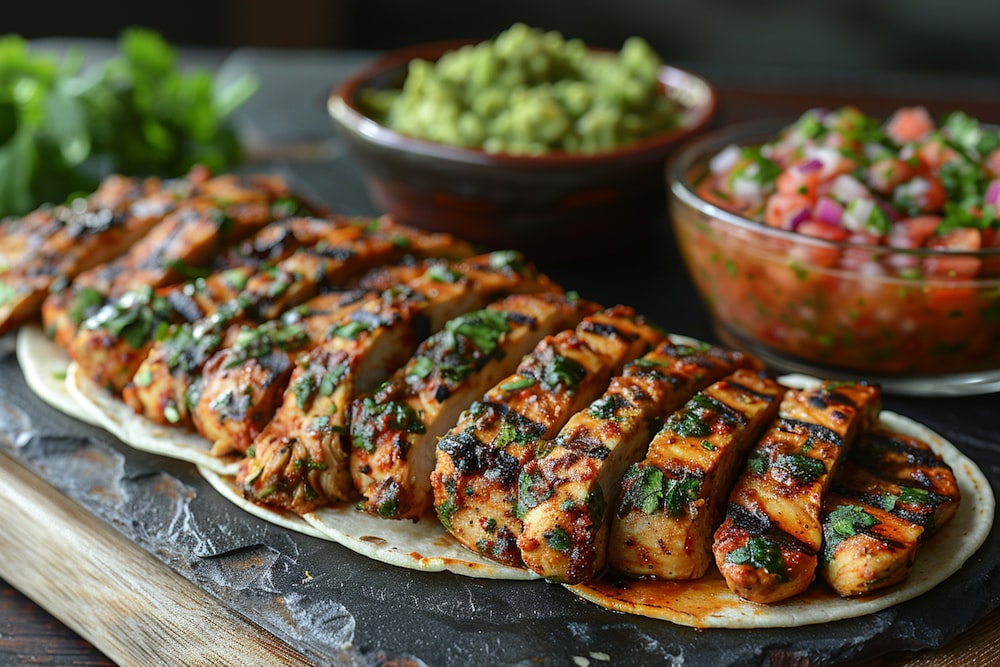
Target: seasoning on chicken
point(302, 458)
point(673, 500)
point(392, 458)
point(891, 494)
point(58, 242)
point(479, 493)
point(236, 391)
point(768, 545)
point(564, 536)
point(202, 234)
point(111, 345)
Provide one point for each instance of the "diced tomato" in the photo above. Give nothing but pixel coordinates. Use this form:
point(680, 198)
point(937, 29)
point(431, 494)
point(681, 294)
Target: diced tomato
point(811, 255)
point(961, 239)
point(909, 124)
point(934, 197)
point(782, 207)
point(884, 175)
point(913, 232)
point(798, 181)
point(934, 153)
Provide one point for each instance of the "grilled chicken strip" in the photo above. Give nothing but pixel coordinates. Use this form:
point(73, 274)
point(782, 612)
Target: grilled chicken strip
point(902, 474)
point(301, 459)
point(891, 494)
point(22, 240)
point(392, 458)
point(768, 544)
point(865, 548)
point(187, 242)
point(232, 378)
point(112, 344)
point(58, 243)
point(479, 493)
point(673, 500)
point(240, 387)
point(564, 537)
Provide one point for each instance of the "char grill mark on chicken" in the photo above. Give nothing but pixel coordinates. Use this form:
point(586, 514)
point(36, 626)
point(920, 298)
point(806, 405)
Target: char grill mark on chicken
point(891, 494)
point(479, 493)
point(392, 456)
point(768, 544)
point(564, 537)
point(301, 460)
point(54, 244)
point(111, 345)
point(202, 234)
point(673, 500)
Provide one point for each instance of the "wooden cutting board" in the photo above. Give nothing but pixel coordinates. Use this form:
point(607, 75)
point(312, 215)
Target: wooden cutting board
point(132, 607)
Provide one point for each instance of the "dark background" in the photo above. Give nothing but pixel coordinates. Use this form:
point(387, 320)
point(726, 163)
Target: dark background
point(910, 36)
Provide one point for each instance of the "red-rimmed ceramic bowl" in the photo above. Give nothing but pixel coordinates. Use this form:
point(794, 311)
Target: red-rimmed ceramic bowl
point(557, 205)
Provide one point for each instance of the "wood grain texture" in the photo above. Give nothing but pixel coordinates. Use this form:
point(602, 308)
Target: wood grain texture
point(129, 605)
point(31, 635)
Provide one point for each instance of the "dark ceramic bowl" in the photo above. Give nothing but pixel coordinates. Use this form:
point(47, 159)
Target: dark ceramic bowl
point(554, 206)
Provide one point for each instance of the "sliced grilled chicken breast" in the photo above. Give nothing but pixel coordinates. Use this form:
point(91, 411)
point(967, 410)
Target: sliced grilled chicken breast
point(865, 548)
point(232, 378)
point(891, 493)
point(392, 457)
point(479, 492)
point(902, 474)
point(316, 429)
point(23, 239)
point(235, 394)
point(564, 536)
point(58, 243)
point(112, 344)
point(190, 241)
point(768, 544)
point(672, 501)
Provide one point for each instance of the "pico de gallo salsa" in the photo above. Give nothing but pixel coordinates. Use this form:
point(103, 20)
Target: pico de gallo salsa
point(897, 266)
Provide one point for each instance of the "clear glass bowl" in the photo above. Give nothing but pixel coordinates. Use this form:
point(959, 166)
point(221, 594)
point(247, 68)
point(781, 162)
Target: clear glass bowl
point(835, 309)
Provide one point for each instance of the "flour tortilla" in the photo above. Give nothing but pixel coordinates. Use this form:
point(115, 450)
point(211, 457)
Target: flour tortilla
point(44, 365)
point(708, 602)
point(426, 545)
point(416, 545)
point(116, 417)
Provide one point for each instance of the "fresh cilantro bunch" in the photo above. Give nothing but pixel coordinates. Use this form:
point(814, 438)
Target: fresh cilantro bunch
point(63, 128)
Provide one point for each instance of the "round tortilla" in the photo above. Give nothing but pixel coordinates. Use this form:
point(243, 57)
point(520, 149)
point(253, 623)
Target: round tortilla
point(426, 545)
point(417, 545)
point(226, 487)
point(115, 416)
point(44, 365)
point(52, 376)
point(708, 602)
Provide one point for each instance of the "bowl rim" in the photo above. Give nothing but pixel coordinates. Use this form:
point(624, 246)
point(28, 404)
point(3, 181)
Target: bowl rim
point(343, 109)
point(698, 149)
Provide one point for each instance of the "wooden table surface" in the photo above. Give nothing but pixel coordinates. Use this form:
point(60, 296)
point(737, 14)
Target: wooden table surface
point(30, 634)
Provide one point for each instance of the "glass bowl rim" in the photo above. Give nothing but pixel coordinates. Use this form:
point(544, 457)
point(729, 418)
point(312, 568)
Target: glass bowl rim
point(700, 148)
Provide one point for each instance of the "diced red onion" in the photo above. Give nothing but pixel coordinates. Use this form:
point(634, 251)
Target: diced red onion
point(828, 211)
point(797, 219)
point(810, 165)
point(992, 196)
